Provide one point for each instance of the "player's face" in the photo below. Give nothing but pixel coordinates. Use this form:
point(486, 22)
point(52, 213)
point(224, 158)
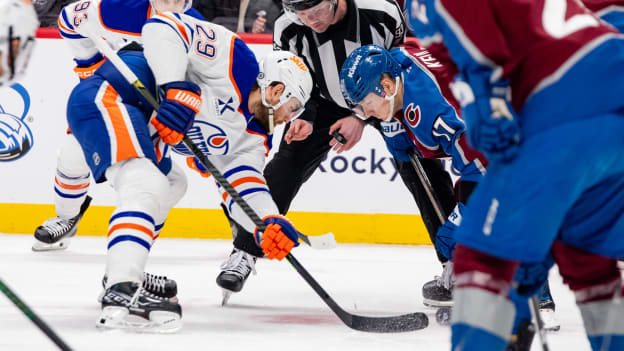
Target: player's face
point(169, 5)
point(319, 17)
point(373, 105)
point(289, 110)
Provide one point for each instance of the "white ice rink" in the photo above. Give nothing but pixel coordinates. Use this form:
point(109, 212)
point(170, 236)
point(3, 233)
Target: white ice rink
point(276, 309)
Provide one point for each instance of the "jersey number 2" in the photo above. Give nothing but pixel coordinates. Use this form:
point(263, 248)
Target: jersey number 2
point(555, 23)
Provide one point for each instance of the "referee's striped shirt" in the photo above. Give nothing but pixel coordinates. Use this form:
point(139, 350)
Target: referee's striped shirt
point(366, 22)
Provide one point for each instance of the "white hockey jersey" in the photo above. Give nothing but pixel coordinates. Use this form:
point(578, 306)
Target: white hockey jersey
point(178, 48)
point(119, 22)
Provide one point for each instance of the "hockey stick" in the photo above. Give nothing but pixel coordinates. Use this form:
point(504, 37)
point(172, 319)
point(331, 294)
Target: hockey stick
point(534, 304)
point(402, 323)
point(533, 301)
point(33, 317)
point(427, 185)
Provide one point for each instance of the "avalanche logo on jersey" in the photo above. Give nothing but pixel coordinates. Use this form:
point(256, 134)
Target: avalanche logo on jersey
point(15, 137)
point(209, 138)
point(412, 115)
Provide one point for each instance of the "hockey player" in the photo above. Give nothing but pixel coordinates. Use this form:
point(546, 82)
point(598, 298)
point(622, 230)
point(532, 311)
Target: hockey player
point(119, 22)
point(236, 143)
point(18, 23)
point(544, 51)
point(231, 96)
point(436, 293)
point(323, 33)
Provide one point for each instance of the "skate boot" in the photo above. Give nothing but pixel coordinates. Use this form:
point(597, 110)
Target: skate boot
point(547, 309)
point(127, 305)
point(523, 338)
point(56, 233)
point(158, 285)
point(234, 272)
point(439, 291)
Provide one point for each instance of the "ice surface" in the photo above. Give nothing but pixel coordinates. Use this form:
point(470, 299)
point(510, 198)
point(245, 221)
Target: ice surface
point(275, 310)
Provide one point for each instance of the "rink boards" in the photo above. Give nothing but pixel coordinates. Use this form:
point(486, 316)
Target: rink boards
point(357, 195)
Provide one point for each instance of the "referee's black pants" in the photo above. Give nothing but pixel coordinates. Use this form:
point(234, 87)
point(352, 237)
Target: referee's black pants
point(294, 163)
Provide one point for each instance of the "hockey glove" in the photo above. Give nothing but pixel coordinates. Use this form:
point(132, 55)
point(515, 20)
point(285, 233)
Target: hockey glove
point(86, 68)
point(531, 276)
point(177, 111)
point(492, 124)
point(445, 239)
point(397, 140)
point(279, 237)
point(194, 164)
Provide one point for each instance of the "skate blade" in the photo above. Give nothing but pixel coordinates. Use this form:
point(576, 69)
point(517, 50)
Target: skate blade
point(119, 318)
point(62, 244)
point(436, 303)
point(226, 297)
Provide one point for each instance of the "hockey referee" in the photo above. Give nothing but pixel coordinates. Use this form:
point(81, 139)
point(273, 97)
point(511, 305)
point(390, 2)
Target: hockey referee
point(324, 33)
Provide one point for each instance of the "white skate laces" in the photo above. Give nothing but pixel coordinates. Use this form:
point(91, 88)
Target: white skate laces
point(240, 263)
point(154, 282)
point(58, 226)
point(448, 278)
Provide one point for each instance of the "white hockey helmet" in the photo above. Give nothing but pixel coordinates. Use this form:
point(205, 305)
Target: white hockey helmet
point(179, 6)
point(18, 23)
point(286, 68)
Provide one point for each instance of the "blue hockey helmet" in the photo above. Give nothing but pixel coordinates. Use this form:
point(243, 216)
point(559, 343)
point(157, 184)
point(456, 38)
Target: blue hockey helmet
point(362, 71)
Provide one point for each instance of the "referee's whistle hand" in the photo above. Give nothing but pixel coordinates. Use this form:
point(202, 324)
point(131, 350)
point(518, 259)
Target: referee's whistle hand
point(351, 128)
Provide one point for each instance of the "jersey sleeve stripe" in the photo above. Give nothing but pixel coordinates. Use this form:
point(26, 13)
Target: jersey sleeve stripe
point(175, 29)
point(231, 66)
point(239, 169)
point(180, 28)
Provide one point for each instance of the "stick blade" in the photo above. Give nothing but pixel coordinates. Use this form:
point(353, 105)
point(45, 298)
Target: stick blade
point(396, 324)
point(323, 242)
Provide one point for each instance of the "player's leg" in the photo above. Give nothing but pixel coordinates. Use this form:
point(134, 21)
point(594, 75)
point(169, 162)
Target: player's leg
point(71, 184)
point(597, 285)
point(243, 172)
point(118, 147)
point(483, 314)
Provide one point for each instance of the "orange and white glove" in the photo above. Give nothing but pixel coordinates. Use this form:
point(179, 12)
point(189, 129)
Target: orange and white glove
point(177, 111)
point(279, 237)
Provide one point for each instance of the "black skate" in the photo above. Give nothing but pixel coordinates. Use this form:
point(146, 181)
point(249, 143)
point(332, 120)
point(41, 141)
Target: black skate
point(158, 285)
point(128, 306)
point(524, 337)
point(439, 291)
point(234, 272)
point(56, 233)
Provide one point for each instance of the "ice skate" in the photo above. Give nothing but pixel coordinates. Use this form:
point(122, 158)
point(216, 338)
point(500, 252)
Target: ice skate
point(158, 285)
point(128, 306)
point(439, 291)
point(547, 309)
point(56, 233)
point(234, 272)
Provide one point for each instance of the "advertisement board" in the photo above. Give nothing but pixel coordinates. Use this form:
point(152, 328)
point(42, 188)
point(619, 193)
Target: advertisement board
point(358, 195)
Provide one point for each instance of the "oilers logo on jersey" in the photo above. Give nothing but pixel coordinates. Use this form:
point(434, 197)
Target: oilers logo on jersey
point(210, 139)
point(16, 139)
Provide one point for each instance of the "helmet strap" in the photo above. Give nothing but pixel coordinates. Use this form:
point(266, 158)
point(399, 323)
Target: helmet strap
point(391, 99)
point(271, 120)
